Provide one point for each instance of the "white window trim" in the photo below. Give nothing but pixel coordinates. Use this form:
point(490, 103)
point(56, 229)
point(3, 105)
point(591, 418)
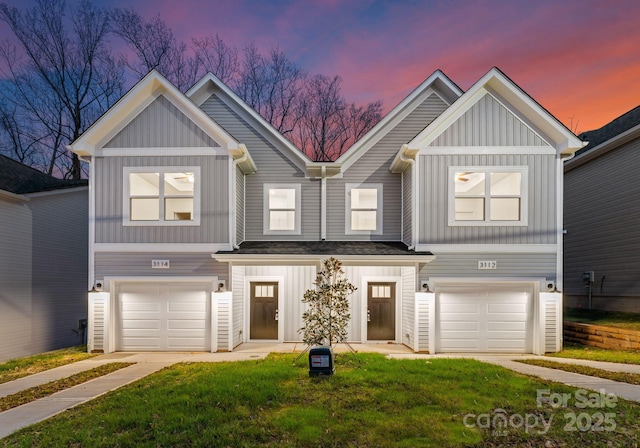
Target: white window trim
point(266, 230)
point(126, 218)
point(524, 195)
point(347, 209)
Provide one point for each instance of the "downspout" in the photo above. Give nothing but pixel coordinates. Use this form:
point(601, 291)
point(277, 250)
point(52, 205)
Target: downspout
point(560, 220)
point(410, 161)
point(323, 203)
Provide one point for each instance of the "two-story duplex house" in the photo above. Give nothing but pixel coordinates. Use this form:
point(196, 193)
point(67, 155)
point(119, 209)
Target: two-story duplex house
point(207, 226)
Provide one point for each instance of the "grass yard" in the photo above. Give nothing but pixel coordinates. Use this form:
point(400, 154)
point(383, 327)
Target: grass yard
point(37, 392)
point(371, 401)
point(597, 354)
point(21, 367)
point(624, 377)
point(630, 321)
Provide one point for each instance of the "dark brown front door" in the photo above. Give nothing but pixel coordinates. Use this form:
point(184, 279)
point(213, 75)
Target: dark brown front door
point(381, 311)
point(264, 310)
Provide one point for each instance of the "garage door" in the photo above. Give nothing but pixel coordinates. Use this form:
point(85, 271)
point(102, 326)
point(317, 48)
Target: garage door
point(163, 317)
point(484, 319)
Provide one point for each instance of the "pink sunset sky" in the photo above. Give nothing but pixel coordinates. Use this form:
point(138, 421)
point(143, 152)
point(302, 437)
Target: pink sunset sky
point(580, 59)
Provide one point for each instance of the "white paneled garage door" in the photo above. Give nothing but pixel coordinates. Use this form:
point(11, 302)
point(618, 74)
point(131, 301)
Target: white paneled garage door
point(163, 317)
point(491, 318)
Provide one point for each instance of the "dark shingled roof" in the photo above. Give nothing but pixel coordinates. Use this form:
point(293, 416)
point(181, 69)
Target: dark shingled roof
point(20, 179)
point(323, 247)
point(610, 130)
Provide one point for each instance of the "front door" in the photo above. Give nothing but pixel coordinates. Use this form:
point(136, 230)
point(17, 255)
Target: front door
point(264, 310)
point(381, 311)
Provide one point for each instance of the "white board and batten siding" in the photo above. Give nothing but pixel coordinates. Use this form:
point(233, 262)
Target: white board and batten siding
point(274, 167)
point(373, 167)
point(408, 305)
point(296, 281)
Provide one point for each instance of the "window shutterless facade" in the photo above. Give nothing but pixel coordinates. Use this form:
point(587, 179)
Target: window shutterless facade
point(363, 209)
point(167, 196)
point(488, 196)
point(282, 209)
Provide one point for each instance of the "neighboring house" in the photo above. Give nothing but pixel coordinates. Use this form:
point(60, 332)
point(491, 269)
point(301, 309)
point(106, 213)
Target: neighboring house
point(207, 226)
point(602, 205)
point(43, 260)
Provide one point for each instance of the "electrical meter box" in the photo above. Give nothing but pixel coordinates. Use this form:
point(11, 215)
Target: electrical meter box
point(321, 361)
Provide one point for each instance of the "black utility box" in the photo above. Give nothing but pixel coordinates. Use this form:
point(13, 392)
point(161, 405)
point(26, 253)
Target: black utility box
point(321, 361)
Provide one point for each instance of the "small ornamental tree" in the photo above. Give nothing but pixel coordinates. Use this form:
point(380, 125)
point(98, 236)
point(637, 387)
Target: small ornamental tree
point(327, 316)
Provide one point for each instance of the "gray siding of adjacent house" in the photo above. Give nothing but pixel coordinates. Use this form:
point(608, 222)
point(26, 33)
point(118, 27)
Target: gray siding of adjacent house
point(161, 125)
point(239, 206)
point(517, 265)
point(60, 268)
point(273, 167)
point(488, 123)
point(602, 205)
point(15, 279)
point(214, 201)
point(407, 205)
point(119, 264)
point(373, 167)
point(43, 272)
point(433, 188)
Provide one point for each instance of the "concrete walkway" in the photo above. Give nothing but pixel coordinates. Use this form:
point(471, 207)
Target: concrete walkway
point(148, 363)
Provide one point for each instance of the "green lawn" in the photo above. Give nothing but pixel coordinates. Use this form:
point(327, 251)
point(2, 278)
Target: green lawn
point(371, 401)
point(598, 354)
point(21, 367)
point(630, 321)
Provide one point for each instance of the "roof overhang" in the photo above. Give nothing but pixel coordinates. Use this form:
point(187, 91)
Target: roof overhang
point(314, 259)
point(505, 90)
point(243, 159)
point(134, 102)
point(210, 84)
point(324, 169)
point(4, 194)
point(438, 83)
point(603, 148)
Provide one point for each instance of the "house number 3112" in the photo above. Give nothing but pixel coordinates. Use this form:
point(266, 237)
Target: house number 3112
point(487, 264)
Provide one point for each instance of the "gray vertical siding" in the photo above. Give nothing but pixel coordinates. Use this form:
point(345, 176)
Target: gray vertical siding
point(373, 167)
point(602, 205)
point(433, 185)
point(239, 205)
point(161, 125)
point(15, 280)
point(60, 268)
point(273, 167)
point(118, 264)
point(488, 123)
point(407, 205)
point(214, 201)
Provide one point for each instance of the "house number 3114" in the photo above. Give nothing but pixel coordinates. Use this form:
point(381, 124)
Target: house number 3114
point(487, 264)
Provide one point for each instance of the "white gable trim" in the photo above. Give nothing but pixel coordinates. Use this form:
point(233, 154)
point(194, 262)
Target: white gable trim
point(136, 100)
point(209, 83)
point(530, 112)
point(397, 114)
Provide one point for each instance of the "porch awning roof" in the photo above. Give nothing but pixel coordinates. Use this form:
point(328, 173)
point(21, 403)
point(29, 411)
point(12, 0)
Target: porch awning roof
point(361, 252)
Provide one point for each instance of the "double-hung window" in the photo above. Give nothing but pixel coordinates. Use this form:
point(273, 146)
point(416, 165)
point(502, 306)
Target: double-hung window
point(282, 212)
point(487, 196)
point(161, 196)
point(363, 209)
